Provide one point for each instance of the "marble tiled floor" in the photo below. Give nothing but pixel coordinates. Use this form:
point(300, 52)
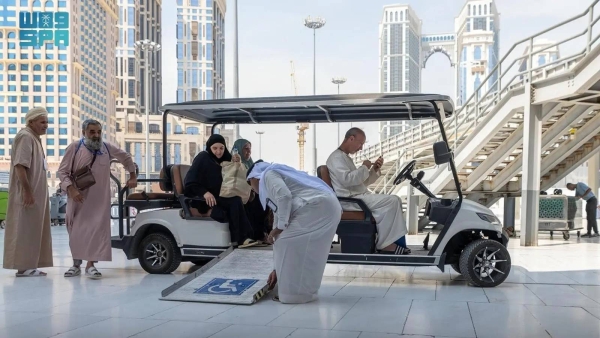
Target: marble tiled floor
point(553, 291)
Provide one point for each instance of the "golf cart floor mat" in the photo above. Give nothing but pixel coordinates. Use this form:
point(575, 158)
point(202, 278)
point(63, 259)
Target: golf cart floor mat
point(234, 277)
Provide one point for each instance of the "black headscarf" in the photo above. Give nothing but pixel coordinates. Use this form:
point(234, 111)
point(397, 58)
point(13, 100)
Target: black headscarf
point(216, 138)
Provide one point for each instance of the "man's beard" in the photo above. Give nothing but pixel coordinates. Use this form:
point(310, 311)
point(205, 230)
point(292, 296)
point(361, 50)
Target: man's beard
point(93, 143)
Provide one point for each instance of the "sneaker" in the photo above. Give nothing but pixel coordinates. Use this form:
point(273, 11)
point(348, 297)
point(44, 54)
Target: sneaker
point(595, 235)
point(586, 236)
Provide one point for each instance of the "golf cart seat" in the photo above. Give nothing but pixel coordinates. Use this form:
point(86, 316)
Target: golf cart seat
point(357, 230)
point(153, 196)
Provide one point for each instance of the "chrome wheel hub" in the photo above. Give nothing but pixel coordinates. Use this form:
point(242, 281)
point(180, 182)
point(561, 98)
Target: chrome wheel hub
point(485, 264)
point(156, 253)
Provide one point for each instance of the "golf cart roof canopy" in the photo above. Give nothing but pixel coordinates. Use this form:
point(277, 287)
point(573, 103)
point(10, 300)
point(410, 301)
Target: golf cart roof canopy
point(314, 109)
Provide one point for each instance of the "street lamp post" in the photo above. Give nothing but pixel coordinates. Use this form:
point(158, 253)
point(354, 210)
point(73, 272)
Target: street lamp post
point(236, 69)
point(338, 81)
point(314, 24)
point(260, 134)
point(147, 46)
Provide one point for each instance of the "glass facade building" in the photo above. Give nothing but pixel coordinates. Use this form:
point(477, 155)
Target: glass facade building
point(399, 58)
point(200, 49)
point(73, 79)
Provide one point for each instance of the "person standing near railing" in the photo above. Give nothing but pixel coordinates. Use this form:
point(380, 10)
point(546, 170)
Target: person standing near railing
point(591, 205)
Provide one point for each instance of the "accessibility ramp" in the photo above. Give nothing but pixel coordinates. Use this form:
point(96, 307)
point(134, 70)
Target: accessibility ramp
point(234, 277)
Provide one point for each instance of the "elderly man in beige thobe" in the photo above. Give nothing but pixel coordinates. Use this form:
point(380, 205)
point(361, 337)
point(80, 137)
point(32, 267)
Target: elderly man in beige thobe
point(88, 211)
point(27, 240)
point(349, 181)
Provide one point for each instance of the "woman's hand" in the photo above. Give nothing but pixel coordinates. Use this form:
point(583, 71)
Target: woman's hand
point(272, 281)
point(236, 158)
point(210, 199)
point(274, 233)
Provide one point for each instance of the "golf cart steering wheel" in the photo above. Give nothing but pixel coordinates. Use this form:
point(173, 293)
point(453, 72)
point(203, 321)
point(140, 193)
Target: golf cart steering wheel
point(406, 172)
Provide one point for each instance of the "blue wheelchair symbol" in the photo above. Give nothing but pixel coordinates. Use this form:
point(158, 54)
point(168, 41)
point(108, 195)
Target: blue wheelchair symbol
point(226, 287)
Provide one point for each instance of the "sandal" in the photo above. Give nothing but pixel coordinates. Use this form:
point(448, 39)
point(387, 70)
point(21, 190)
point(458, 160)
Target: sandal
point(276, 298)
point(399, 251)
point(93, 273)
point(248, 243)
point(31, 273)
point(73, 272)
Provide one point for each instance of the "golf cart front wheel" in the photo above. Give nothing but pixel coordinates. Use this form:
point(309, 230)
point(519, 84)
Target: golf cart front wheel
point(159, 254)
point(485, 263)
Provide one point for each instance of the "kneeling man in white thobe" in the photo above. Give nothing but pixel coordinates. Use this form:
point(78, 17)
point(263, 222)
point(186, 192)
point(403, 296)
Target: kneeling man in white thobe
point(349, 181)
point(307, 214)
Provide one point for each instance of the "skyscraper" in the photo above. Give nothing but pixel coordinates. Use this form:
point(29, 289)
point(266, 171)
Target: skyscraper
point(399, 58)
point(139, 20)
point(478, 44)
point(62, 59)
point(200, 49)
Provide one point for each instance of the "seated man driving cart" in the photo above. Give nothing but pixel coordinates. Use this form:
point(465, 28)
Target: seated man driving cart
point(349, 181)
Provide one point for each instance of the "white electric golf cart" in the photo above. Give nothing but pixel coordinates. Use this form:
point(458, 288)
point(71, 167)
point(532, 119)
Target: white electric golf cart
point(471, 241)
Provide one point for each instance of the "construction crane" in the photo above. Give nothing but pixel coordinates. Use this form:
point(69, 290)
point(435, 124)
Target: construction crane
point(302, 127)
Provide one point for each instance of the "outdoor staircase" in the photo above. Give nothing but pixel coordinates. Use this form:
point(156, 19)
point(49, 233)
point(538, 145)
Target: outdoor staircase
point(486, 134)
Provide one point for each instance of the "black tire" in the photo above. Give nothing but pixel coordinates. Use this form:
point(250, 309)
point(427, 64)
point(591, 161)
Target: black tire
point(566, 235)
point(168, 255)
point(456, 267)
point(501, 265)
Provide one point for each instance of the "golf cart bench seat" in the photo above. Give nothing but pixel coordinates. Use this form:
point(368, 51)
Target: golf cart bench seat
point(357, 231)
point(323, 173)
point(165, 173)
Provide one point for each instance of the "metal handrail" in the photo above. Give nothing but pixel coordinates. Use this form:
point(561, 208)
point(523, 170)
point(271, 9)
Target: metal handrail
point(474, 103)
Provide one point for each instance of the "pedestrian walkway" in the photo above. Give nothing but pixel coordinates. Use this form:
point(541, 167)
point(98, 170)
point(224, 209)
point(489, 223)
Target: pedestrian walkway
point(552, 291)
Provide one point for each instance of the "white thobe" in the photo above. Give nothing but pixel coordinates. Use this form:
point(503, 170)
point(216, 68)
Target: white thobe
point(309, 218)
point(349, 181)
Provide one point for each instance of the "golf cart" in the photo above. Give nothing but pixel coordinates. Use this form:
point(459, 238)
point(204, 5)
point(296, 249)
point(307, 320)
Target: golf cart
point(471, 240)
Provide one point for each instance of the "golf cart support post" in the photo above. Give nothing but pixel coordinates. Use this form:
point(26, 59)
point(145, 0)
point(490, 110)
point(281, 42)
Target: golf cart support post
point(475, 223)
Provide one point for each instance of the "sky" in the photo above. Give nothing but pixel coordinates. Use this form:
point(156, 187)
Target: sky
point(271, 34)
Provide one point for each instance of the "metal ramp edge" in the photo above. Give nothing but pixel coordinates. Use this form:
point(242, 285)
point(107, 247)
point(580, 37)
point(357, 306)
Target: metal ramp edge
point(196, 286)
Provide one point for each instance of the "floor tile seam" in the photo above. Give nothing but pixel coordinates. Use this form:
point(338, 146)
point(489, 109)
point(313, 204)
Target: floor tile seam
point(150, 328)
point(353, 279)
point(284, 312)
point(526, 306)
point(77, 328)
point(586, 296)
point(291, 333)
point(472, 321)
point(27, 321)
point(538, 297)
point(169, 309)
point(346, 313)
point(593, 315)
point(407, 314)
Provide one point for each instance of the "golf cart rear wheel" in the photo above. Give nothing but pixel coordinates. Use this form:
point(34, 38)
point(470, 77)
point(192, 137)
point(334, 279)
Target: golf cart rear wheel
point(485, 263)
point(159, 254)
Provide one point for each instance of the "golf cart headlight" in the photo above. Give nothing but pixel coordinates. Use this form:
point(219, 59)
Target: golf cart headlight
point(489, 218)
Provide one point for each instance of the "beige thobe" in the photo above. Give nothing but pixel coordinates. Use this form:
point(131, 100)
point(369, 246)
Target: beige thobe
point(349, 181)
point(88, 223)
point(27, 239)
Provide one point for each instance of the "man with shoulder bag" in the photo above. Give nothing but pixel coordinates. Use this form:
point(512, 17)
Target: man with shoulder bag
point(85, 177)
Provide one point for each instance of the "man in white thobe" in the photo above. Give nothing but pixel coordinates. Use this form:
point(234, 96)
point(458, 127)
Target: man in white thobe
point(349, 181)
point(307, 214)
